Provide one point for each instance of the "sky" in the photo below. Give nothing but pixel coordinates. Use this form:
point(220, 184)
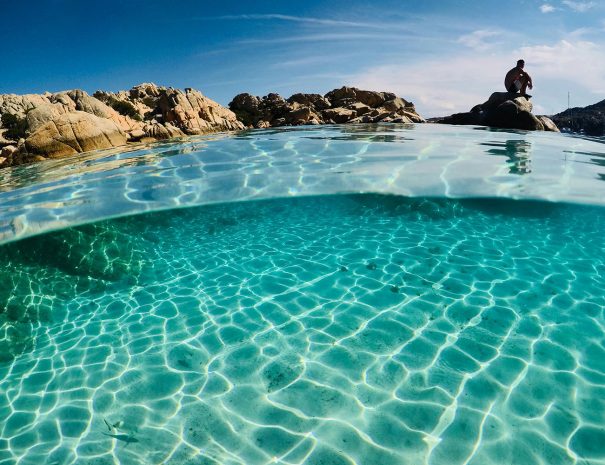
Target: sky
point(443, 55)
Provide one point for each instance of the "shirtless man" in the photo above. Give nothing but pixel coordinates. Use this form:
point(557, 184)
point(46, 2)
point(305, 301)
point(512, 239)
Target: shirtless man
point(518, 80)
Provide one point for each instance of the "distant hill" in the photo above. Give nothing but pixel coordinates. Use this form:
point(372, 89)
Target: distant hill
point(589, 120)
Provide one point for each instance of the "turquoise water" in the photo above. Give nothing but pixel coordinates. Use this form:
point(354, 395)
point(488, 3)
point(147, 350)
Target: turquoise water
point(315, 323)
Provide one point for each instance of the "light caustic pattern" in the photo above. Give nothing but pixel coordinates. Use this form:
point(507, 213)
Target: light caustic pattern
point(358, 329)
point(424, 160)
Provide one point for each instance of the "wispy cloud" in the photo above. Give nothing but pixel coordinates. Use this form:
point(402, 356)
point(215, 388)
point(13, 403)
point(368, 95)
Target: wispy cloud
point(310, 60)
point(547, 8)
point(304, 19)
point(580, 7)
point(327, 37)
point(477, 40)
point(578, 34)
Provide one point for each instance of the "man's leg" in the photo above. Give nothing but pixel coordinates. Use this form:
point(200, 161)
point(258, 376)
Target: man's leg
point(524, 82)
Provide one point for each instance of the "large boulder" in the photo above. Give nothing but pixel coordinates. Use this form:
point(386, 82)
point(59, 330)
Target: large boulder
point(315, 101)
point(159, 131)
point(73, 133)
point(503, 110)
point(272, 109)
point(302, 115)
point(42, 114)
point(194, 113)
point(6, 155)
point(338, 115)
point(247, 109)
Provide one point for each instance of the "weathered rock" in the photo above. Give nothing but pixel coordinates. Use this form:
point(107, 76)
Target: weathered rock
point(360, 108)
point(42, 114)
point(337, 96)
point(548, 124)
point(161, 131)
point(371, 98)
point(19, 105)
point(470, 118)
point(301, 115)
point(136, 134)
point(343, 105)
point(271, 108)
point(193, 113)
point(339, 115)
point(503, 110)
point(146, 112)
point(189, 110)
point(247, 109)
point(6, 155)
point(73, 133)
point(316, 101)
point(395, 104)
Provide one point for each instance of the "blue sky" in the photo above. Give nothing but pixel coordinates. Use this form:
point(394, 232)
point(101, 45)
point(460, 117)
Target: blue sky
point(444, 55)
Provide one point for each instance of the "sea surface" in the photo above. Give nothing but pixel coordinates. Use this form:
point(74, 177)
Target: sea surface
point(334, 295)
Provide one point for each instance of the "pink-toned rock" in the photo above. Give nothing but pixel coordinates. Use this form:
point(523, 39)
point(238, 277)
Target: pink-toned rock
point(194, 113)
point(162, 131)
point(136, 135)
point(6, 155)
point(65, 123)
point(73, 133)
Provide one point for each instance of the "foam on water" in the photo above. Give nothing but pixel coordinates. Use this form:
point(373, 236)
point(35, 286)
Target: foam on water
point(351, 329)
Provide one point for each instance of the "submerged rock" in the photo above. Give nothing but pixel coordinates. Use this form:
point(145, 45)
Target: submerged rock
point(343, 105)
point(503, 110)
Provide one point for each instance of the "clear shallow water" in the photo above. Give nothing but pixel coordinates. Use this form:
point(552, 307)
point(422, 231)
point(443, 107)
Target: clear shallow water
point(421, 160)
point(337, 329)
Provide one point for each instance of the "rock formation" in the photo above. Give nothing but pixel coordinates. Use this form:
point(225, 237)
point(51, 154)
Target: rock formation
point(37, 127)
point(72, 133)
point(344, 105)
point(589, 120)
point(502, 110)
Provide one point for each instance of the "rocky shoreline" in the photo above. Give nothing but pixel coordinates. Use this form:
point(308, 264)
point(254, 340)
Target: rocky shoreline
point(39, 127)
point(55, 125)
point(344, 105)
point(589, 120)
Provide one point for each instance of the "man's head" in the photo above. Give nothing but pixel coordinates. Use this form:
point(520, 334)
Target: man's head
point(520, 63)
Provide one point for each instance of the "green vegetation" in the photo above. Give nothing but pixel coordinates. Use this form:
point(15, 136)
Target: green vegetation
point(16, 126)
point(125, 108)
point(150, 102)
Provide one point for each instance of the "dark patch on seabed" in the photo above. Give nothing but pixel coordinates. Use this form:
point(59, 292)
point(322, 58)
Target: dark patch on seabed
point(40, 274)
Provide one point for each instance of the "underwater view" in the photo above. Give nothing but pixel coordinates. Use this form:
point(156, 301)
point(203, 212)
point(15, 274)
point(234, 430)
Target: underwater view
point(376, 294)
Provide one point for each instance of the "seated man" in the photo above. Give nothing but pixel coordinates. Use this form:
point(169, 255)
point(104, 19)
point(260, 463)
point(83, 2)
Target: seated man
point(518, 80)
